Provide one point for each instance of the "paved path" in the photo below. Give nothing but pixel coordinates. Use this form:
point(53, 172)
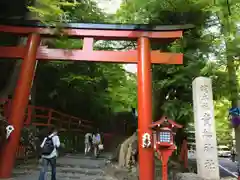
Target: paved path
point(69, 167)
point(227, 168)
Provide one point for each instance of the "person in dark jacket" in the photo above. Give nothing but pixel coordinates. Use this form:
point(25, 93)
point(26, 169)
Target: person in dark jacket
point(49, 147)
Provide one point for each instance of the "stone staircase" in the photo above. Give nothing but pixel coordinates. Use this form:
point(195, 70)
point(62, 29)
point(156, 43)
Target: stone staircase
point(69, 167)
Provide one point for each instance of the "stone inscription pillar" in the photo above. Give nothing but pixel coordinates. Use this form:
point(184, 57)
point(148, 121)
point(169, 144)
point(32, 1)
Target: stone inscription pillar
point(205, 132)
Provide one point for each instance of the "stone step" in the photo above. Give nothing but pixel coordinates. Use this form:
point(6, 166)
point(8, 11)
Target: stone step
point(83, 178)
point(73, 170)
point(71, 167)
point(86, 166)
point(68, 175)
point(61, 166)
point(80, 170)
point(75, 175)
point(64, 176)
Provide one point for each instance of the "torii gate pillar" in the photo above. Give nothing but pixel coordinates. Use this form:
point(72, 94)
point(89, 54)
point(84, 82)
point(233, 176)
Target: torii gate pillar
point(146, 155)
point(20, 101)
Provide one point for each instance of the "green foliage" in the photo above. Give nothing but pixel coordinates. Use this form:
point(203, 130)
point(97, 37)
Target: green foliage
point(56, 12)
point(52, 11)
point(96, 91)
point(92, 91)
point(225, 16)
point(172, 83)
point(88, 90)
point(222, 122)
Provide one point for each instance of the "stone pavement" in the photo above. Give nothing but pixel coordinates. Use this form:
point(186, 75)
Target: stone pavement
point(69, 167)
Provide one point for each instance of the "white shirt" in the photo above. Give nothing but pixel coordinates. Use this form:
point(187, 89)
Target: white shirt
point(56, 143)
point(87, 137)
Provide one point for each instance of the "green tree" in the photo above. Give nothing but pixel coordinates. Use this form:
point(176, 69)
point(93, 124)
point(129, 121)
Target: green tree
point(223, 127)
point(172, 84)
point(92, 91)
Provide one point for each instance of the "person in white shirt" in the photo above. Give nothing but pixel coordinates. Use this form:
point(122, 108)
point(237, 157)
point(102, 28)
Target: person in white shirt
point(88, 142)
point(49, 153)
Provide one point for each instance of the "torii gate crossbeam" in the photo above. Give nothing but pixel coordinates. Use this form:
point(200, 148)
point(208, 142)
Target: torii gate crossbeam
point(143, 56)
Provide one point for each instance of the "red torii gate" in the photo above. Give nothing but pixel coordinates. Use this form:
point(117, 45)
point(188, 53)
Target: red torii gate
point(143, 56)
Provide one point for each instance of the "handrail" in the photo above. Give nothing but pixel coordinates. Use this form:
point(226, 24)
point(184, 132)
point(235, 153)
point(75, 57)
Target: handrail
point(48, 117)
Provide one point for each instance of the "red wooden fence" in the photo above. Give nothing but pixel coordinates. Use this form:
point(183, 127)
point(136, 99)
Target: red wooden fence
point(41, 116)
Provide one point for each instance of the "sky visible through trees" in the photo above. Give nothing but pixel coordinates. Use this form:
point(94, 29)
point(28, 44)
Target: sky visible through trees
point(111, 6)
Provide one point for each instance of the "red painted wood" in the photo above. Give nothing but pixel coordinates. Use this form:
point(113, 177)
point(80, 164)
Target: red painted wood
point(12, 52)
point(29, 116)
point(146, 155)
point(164, 155)
point(98, 56)
point(40, 116)
point(19, 104)
point(184, 154)
point(48, 115)
point(97, 34)
point(41, 124)
point(88, 44)
point(161, 121)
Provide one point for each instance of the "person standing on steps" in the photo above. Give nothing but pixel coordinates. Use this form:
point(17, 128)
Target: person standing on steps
point(97, 141)
point(88, 142)
point(49, 148)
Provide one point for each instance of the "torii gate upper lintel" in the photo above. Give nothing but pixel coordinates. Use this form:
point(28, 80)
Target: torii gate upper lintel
point(143, 56)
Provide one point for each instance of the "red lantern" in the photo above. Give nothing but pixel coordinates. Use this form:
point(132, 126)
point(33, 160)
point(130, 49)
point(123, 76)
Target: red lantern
point(165, 130)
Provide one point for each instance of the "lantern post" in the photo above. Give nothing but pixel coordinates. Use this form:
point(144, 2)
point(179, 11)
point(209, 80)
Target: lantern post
point(165, 141)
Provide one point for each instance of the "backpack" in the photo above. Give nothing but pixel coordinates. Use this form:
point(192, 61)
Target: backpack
point(48, 146)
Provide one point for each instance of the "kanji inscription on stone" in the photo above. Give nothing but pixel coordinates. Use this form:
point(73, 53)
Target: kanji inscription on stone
point(208, 147)
point(204, 97)
point(210, 165)
point(204, 88)
point(205, 133)
point(206, 118)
